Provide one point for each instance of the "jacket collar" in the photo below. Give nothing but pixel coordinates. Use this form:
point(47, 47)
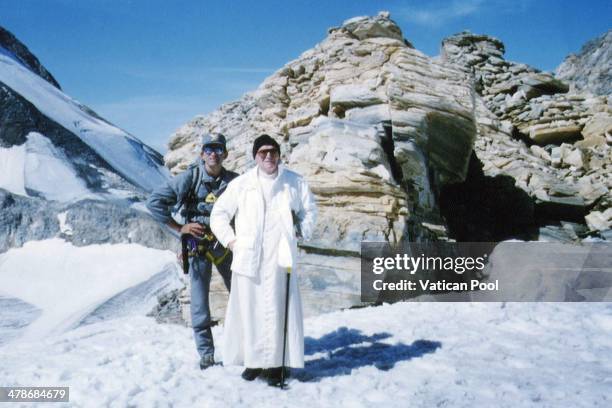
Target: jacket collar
point(251, 174)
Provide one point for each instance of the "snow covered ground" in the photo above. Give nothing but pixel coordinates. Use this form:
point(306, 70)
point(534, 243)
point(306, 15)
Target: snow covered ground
point(68, 284)
point(409, 354)
point(406, 354)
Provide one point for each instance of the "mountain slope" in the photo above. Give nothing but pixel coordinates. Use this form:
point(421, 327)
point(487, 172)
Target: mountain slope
point(14, 48)
point(591, 69)
point(62, 164)
point(41, 126)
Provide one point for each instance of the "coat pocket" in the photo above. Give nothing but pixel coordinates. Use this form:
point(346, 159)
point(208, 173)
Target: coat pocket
point(244, 260)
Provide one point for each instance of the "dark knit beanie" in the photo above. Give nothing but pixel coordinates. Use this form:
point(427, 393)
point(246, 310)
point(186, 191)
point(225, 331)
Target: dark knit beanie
point(264, 140)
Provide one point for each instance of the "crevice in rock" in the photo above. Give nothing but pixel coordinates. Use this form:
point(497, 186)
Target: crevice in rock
point(563, 209)
point(518, 135)
point(388, 146)
point(492, 209)
point(487, 209)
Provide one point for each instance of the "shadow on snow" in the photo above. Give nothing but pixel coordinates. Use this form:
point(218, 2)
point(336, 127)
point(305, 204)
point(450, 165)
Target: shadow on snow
point(348, 349)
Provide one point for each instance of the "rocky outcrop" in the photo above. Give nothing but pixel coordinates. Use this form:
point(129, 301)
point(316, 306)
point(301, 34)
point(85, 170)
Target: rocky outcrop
point(168, 309)
point(10, 45)
point(591, 69)
point(23, 219)
point(533, 102)
point(82, 223)
point(551, 143)
point(397, 145)
point(372, 123)
point(375, 126)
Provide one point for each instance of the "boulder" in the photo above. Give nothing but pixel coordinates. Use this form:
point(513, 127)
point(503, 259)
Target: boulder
point(599, 221)
point(371, 27)
point(598, 127)
point(575, 158)
point(555, 135)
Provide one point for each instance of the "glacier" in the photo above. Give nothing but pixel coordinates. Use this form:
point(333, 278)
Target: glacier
point(132, 159)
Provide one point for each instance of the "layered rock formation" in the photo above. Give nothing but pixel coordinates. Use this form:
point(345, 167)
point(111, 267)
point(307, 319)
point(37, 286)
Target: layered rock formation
point(372, 123)
point(375, 126)
point(397, 145)
point(553, 144)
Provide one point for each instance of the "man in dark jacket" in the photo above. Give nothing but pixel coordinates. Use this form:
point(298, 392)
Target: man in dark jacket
point(196, 190)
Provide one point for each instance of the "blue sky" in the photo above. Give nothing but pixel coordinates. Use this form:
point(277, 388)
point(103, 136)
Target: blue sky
point(151, 65)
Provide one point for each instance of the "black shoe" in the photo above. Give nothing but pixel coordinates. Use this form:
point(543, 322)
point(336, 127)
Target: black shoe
point(273, 376)
point(249, 374)
point(207, 361)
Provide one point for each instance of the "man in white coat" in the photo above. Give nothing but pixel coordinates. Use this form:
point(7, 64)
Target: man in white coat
point(272, 206)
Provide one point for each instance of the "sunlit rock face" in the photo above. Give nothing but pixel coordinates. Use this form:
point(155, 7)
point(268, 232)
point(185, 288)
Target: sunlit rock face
point(375, 126)
point(554, 144)
point(590, 70)
point(397, 145)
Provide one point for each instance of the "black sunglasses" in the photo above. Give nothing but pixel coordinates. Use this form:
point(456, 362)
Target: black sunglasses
point(216, 149)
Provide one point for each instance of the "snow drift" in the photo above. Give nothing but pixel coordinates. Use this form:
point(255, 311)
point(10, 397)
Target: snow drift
point(67, 283)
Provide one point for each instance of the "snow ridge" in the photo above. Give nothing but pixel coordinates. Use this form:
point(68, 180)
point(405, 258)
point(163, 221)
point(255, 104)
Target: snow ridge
point(135, 161)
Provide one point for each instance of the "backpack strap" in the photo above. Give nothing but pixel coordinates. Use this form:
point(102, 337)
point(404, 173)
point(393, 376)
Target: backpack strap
point(191, 195)
point(195, 184)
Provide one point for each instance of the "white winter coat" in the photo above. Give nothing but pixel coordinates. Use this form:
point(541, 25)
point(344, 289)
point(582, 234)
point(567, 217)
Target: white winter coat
point(266, 245)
